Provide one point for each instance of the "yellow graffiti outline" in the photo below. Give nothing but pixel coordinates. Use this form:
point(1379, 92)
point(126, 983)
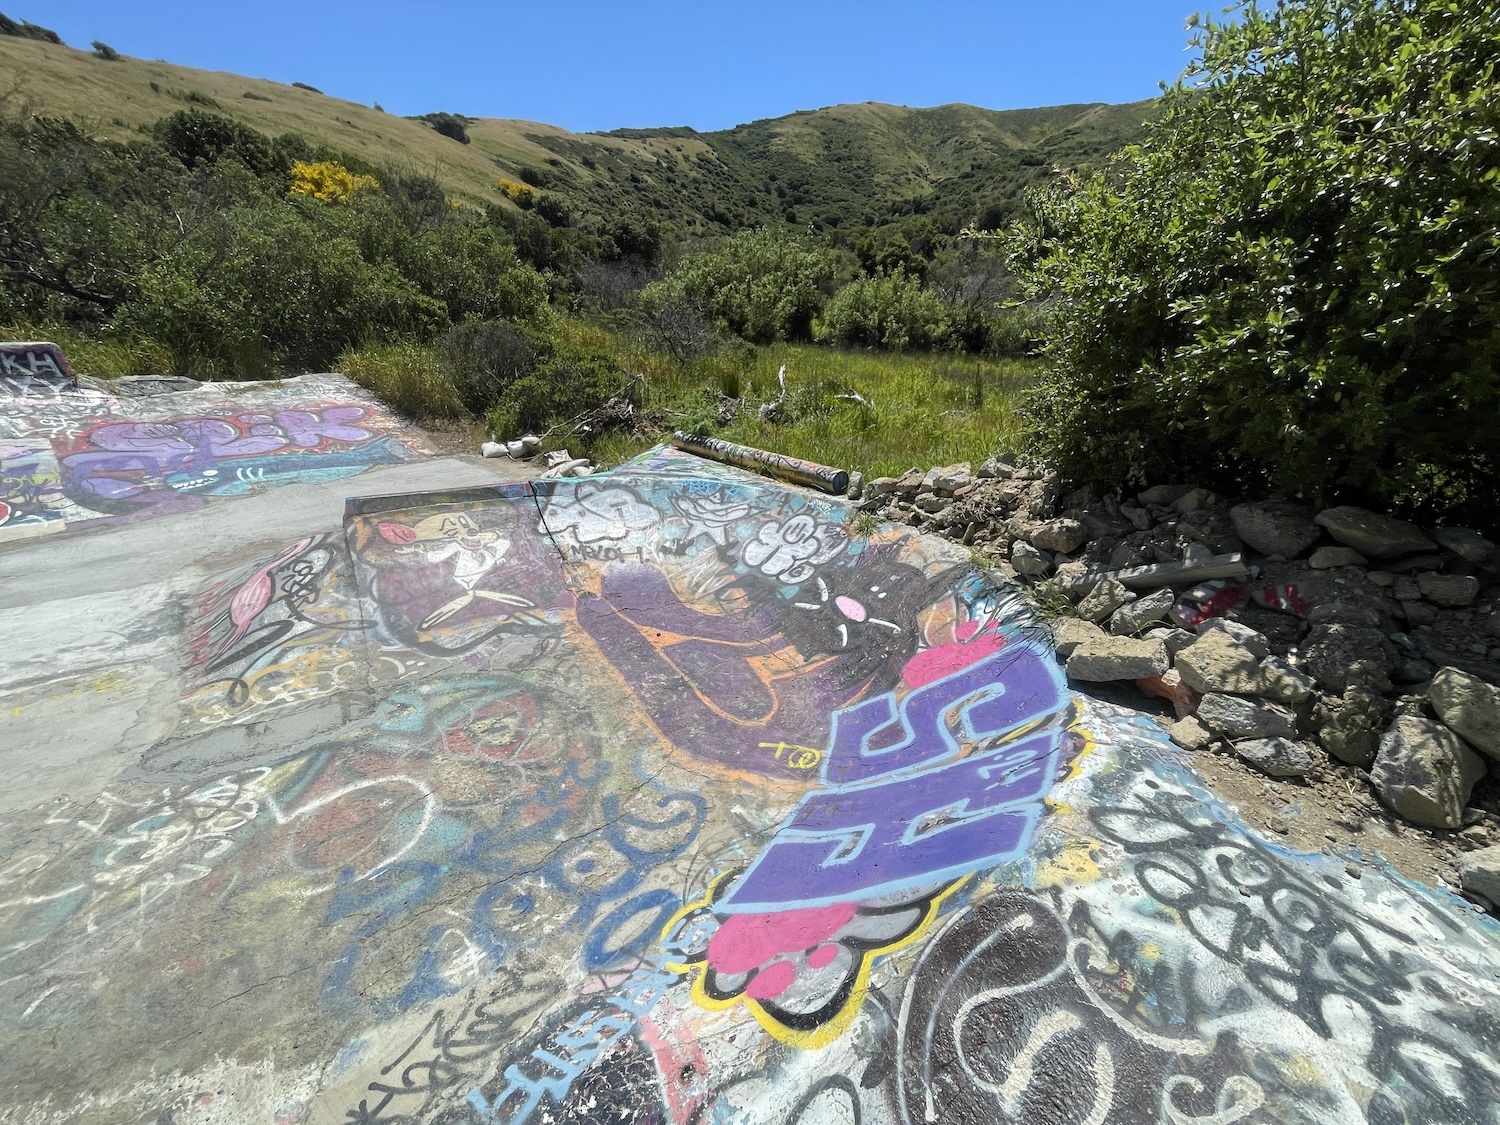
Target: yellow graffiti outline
point(841, 1022)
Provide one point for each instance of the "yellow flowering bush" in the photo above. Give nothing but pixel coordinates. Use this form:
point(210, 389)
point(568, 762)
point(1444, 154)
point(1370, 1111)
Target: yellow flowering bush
point(328, 181)
point(522, 195)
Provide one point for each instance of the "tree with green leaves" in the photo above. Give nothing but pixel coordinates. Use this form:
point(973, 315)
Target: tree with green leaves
point(1293, 282)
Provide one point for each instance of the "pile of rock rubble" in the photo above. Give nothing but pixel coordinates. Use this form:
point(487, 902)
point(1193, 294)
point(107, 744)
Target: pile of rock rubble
point(1290, 637)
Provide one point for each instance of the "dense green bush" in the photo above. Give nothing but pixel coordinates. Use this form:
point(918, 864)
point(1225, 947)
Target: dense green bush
point(1292, 283)
point(567, 379)
point(890, 310)
point(762, 285)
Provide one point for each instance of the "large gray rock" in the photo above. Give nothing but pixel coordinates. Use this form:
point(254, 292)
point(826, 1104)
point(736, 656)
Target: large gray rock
point(1451, 590)
point(1134, 616)
point(1465, 543)
point(1063, 534)
point(1424, 772)
point(1479, 873)
point(1275, 527)
point(1373, 535)
point(1216, 662)
point(1279, 757)
point(1103, 600)
point(1338, 655)
point(1469, 707)
point(1117, 658)
point(1349, 728)
point(1239, 717)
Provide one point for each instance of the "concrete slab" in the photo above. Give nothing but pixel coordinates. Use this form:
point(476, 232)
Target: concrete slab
point(668, 795)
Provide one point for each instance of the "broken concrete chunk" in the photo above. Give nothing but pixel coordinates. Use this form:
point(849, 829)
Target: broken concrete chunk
point(1275, 527)
point(1279, 757)
point(1469, 707)
point(1425, 773)
point(1103, 600)
point(1063, 535)
point(1164, 493)
point(1117, 658)
point(1196, 500)
point(1239, 717)
point(1255, 641)
point(1134, 616)
point(1338, 655)
point(1451, 590)
point(1190, 734)
point(1070, 632)
point(1371, 534)
point(1175, 639)
point(1216, 662)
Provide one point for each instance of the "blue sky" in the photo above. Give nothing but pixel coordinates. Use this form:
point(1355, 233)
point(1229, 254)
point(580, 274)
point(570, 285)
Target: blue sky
point(588, 66)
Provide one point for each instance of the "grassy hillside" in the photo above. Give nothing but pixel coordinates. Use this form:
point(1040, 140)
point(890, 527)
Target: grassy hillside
point(846, 166)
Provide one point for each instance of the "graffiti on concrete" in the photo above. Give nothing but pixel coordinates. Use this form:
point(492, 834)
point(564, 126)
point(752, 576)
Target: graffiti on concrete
point(29, 367)
point(82, 456)
point(681, 801)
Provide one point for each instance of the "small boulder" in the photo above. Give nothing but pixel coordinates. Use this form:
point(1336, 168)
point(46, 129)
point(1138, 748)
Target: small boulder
point(1175, 639)
point(1275, 527)
point(1134, 616)
point(1466, 544)
point(1103, 600)
point(1190, 734)
point(1371, 534)
point(1117, 658)
point(1479, 873)
point(1164, 493)
point(1424, 772)
point(1195, 501)
point(1070, 632)
point(1001, 465)
point(1326, 558)
point(1285, 682)
point(1279, 757)
point(1216, 662)
point(1349, 729)
point(1028, 561)
point(1469, 707)
point(1451, 590)
point(1063, 535)
point(880, 486)
point(1338, 655)
point(1239, 717)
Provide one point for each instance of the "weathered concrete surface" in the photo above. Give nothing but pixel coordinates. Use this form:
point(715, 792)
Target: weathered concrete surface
point(659, 796)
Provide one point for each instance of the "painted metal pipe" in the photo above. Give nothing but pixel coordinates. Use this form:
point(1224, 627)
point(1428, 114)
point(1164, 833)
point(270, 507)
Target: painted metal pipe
point(794, 469)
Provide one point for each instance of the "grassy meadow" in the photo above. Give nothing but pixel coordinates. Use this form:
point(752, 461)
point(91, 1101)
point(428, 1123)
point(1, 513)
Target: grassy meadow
point(912, 409)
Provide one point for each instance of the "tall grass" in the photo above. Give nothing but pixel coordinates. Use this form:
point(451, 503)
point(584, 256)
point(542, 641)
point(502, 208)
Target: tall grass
point(912, 410)
point(105, 357)
point(406, 376)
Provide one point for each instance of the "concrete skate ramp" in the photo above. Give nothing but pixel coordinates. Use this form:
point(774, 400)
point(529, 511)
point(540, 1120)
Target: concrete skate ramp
point(90, 455)
point(673, 795)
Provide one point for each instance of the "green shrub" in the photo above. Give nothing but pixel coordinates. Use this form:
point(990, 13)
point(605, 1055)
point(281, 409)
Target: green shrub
point(484, 360)
point(890, 310)
point(762, 285)
point(105, 51)
point(569, 379)
point(1291, 284)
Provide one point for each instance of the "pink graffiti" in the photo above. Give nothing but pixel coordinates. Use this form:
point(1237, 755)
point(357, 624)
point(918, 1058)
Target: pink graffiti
point(241, 435)
point(754, 941)
point(933, 664)
point(253, 597)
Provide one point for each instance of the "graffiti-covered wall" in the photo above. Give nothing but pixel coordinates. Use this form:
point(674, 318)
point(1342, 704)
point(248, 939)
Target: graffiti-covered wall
point(681, 799)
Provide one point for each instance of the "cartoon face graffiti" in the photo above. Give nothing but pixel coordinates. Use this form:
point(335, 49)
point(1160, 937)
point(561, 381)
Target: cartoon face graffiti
point(475, 552)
